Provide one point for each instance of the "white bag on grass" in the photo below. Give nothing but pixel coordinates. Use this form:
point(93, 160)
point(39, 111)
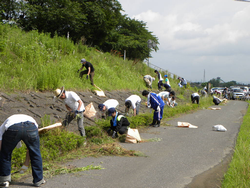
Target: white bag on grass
point(133, 136)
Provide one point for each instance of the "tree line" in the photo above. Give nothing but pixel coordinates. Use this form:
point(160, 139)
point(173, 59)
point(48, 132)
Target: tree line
point(95, 23)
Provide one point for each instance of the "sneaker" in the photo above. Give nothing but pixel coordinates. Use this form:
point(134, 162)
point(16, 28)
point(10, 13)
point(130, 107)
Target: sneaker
point(38, 184)
point(156, 125)
point(5, 184)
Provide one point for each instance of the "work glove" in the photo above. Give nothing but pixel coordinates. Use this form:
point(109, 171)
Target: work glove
point(158, 108)
point(114, 134)
point(87, 77)
point(76, 112)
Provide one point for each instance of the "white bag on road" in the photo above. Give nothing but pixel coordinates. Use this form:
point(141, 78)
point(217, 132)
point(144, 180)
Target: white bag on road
point(219, 128)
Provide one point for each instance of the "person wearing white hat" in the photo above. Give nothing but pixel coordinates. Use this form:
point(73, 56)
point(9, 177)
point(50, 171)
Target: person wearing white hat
point(75, 108)
point(90, 71)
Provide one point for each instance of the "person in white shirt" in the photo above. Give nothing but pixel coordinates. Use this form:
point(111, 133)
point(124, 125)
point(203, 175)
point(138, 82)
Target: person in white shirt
point(75, 108)
point(110, 103)
point(195, 97)
point(14, 129)
point(164, 96)
point(149, 80)
point(160, 79)
point(172, 103)
point(135, 102)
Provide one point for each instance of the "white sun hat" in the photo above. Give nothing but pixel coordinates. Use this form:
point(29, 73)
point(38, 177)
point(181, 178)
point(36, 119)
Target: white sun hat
point(58, 92)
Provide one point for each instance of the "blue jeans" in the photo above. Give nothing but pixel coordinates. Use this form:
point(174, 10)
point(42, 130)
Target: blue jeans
point(28, 133)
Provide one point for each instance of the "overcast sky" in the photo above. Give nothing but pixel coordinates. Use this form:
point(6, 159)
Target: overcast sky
point(197, 36)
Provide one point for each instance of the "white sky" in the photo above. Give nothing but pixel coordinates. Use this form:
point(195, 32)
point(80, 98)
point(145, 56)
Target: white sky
point(198, 35)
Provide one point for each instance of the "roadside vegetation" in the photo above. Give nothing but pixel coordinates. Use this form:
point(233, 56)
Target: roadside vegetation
point(36, 62)
point(238, 173)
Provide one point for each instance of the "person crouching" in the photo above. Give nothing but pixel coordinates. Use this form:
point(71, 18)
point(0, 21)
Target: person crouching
point(118, 124)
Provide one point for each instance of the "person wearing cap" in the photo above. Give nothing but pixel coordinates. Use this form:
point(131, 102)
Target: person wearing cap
point(110, 103)
point(195, 97)
point(75, 108)
point(160, 79)
point(148, 80)
point(154, 101)
point(135, 102)
point(118, 124)
point(166, 79)
point(14, 129)
point(90, 71)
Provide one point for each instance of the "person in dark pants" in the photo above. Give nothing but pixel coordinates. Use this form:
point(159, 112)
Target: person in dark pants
point(155, 101)
point(90, 71)
point(195, 97)
point(16, 128)
point(118, 124)
point(160, 79)
point(167, 87)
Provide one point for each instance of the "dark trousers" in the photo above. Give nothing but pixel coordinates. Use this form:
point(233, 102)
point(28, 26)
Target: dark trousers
point(91, 75)
point(28, 133)
point(196, 98)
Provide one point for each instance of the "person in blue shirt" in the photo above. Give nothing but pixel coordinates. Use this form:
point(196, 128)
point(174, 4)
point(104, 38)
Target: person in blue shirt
point(118, 124)
point(155, 101)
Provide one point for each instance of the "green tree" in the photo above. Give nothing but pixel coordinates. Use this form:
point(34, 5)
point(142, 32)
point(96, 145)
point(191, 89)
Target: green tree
point(96, 23)
point(53, 16)
point(131, 35)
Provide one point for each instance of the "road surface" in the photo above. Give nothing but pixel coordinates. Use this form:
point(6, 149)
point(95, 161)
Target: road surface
point(172, 161)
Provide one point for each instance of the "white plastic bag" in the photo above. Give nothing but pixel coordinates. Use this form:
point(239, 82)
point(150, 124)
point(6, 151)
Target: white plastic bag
point(133, 136)
point(219, 128)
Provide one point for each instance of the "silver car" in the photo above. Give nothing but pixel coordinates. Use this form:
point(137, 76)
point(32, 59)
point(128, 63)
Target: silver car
point(237, 93)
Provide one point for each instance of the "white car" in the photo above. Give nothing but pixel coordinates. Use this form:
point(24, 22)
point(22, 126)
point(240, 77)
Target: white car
point(237, 93)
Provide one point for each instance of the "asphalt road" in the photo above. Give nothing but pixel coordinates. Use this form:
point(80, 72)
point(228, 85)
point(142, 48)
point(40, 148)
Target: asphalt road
point(172, 161)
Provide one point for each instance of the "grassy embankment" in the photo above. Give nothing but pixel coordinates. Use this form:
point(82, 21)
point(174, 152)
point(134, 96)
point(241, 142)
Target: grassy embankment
point(33, 61)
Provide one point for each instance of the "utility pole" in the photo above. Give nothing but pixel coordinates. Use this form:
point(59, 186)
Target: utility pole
point(204, 76)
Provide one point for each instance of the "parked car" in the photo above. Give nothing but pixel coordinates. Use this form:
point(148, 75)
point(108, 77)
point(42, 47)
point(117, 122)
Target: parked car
point(237, 93)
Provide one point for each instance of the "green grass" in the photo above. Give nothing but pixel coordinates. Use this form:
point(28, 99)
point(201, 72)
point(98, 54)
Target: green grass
point(34, 61)
point(238, 174)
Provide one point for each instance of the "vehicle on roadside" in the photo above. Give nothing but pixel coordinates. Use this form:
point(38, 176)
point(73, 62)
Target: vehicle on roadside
point(236, 93)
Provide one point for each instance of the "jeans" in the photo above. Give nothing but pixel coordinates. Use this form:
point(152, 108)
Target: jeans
point(28, 133)
point(70, 116)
